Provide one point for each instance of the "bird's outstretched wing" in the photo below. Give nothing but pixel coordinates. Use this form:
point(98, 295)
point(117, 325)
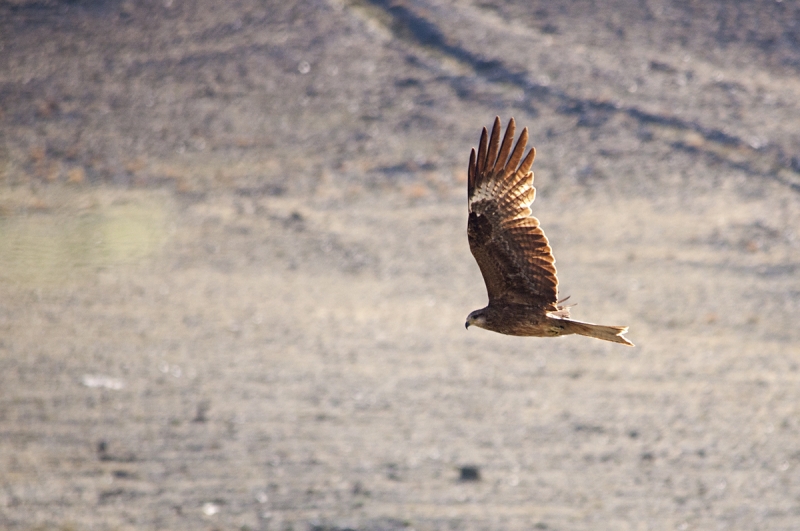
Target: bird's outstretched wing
point(511, 249)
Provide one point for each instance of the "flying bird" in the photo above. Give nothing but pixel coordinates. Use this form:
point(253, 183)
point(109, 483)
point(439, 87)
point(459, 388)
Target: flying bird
point(511, 249)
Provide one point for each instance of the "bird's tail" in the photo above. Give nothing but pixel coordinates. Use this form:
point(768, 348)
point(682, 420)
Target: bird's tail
point(607, 333)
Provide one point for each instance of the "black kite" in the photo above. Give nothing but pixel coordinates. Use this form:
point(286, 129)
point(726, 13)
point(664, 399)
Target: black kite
point(511, 249)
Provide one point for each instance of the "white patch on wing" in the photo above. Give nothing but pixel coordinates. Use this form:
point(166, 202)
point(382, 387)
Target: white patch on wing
point(483, 193)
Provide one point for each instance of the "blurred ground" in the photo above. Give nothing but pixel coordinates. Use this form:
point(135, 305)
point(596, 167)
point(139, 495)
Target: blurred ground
point(234, 269)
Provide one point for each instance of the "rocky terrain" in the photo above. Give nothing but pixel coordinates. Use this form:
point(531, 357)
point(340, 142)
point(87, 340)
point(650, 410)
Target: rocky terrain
point(234, 269)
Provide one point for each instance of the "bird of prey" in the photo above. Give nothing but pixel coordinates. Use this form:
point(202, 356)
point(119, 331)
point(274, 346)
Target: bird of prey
point(511, 249)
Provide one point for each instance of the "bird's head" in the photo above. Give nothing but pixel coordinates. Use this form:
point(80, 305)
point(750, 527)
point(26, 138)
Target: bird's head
point(476, 318)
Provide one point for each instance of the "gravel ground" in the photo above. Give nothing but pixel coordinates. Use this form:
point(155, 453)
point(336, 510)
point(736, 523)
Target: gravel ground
point(234, 269)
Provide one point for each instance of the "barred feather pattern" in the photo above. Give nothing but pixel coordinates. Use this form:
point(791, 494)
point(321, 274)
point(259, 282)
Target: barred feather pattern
point(511, 249)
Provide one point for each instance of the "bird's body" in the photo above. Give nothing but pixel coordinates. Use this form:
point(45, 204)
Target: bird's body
point(511, 249)
point(516, 319)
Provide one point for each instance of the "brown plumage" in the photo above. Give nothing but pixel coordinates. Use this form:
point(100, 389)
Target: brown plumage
point(511, 249)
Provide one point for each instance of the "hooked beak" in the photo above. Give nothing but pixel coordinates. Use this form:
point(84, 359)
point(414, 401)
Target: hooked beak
point(466, 325)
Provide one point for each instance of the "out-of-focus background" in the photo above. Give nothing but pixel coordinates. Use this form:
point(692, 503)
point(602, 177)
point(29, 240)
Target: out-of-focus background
point(234, 269)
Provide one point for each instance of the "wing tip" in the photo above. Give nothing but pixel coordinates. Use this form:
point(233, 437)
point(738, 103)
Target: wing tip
point(480, 165)
point(496, 160)
point(527, 162)
point(471, 171)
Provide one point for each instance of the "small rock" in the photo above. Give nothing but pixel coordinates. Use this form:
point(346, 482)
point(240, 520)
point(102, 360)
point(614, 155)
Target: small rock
point(210, 509)
point(469, 473)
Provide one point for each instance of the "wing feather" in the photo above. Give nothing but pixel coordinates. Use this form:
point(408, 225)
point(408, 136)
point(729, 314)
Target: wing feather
point(494, 145)
point(511, 249)
point(481, 164)
point(519, 150)
point(505, 149)
point(471, 170)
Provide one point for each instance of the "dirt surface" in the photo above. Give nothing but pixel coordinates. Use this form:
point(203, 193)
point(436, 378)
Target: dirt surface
point(234, 269)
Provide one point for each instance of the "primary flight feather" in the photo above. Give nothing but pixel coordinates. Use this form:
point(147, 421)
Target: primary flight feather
point(511, 249)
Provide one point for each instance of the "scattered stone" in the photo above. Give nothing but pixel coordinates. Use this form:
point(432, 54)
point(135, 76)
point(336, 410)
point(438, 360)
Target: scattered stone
point(469, 473)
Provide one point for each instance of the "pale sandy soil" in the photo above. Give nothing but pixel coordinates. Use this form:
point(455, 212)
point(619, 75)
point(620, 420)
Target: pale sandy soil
point(234, 269)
